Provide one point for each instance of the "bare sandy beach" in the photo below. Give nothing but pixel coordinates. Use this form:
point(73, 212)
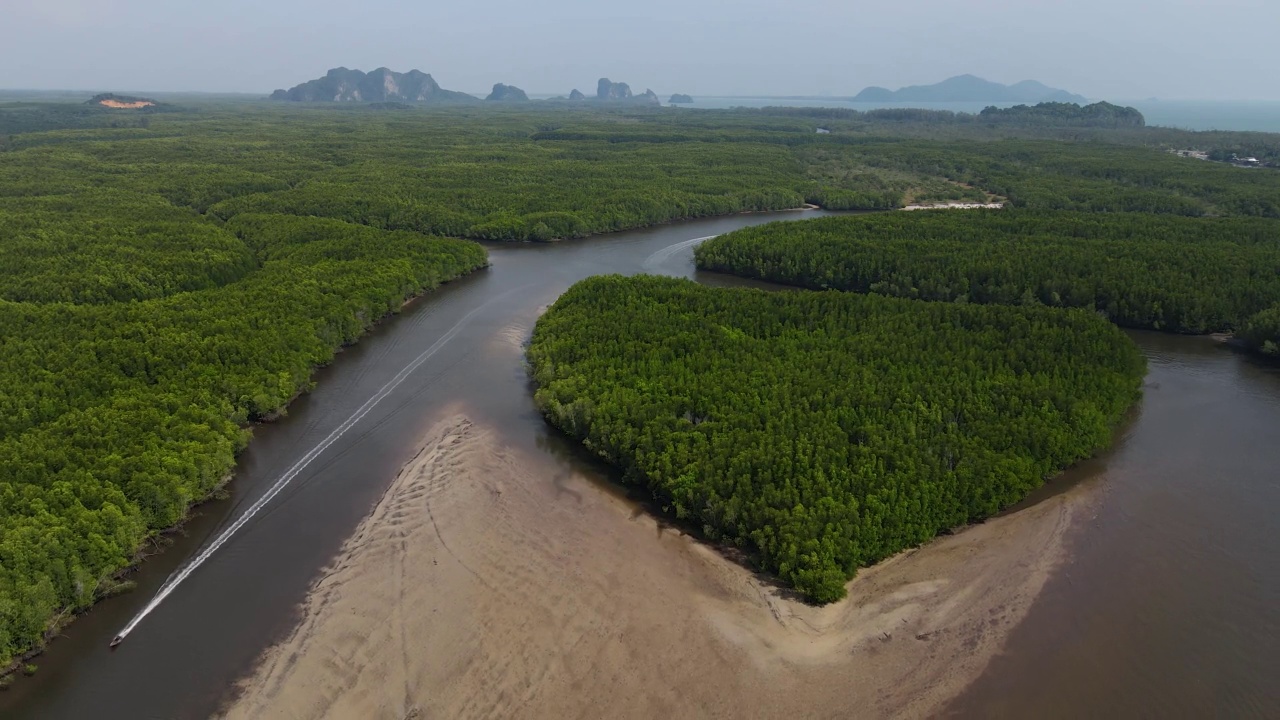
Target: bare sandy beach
point(956, 206)
point(482, 587)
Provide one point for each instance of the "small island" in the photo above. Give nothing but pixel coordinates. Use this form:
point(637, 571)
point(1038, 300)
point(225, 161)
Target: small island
point(680, 99)
point(507, 93)
point(620, 92)
point(613, 93)
point(609, 90)
point(969, 88)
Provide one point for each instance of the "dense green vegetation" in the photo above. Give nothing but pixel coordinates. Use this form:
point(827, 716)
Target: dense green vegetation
point(541, 193)
point(171, 273)
point(105, 245)
point(163, 284)
point(1045, 114)
point(1086, 169)
point(1262, 332)
point(1061, 114)
point(17, 118)
point(825, 431)
point(1148, 271)
point(1264, 147)
point(143, 339)
point(1043, 175)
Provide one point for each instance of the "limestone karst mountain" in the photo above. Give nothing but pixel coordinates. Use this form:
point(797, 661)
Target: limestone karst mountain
point(381, 85)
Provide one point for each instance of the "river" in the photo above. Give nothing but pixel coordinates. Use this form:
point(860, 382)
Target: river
point(1169, 604)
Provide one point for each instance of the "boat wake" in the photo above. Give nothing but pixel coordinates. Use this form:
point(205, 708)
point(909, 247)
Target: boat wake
point(654, 262)
point(283, 481)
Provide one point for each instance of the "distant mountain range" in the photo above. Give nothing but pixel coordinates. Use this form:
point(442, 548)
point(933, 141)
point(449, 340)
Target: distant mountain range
point(968, 88)
point(384, 85)
point(381, 85)
point(387, 86)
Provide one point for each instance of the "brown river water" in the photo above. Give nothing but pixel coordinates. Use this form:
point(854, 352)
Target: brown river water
point(1169, 605)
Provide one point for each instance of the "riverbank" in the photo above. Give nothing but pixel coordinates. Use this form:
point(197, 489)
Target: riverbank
point(1180, 524)
point(486, 584)
point(955, 206)
point(116, 582)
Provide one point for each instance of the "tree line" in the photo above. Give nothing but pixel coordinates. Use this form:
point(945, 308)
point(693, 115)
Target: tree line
point(1045, 114)
point(1262, 332)
point(1083, 176)
point(1192, 275)
point(132, 362)
point(1060, 114)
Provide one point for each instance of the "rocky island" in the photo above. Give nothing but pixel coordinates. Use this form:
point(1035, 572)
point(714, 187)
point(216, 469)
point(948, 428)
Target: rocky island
point(507, 93)
point(381, 85)
point(608, 91)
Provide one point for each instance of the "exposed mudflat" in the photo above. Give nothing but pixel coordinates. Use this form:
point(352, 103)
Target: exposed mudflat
point(126, 105)
point(956, 206)
point(490, 584)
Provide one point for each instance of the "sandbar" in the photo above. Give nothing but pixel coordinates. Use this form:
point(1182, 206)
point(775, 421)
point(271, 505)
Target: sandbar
point(488, 583)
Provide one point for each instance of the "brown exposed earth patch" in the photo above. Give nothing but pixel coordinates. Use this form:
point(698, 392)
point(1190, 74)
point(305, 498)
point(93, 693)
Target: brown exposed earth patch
point(126, 105)
point(490, 584)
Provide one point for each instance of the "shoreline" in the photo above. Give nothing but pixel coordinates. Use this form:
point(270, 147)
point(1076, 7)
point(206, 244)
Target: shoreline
point(661, 223)
point(955, 206)
point(485, 583)
point(65, 616)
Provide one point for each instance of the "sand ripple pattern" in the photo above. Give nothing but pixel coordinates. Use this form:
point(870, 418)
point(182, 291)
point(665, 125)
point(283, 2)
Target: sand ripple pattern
point(486, 584)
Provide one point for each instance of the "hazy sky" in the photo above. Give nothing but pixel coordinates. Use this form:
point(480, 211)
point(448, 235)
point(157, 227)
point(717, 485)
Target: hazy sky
point(1118, 49)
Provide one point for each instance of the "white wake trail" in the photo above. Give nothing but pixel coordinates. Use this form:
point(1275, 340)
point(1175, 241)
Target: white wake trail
point(653, 261)
point(176, 579)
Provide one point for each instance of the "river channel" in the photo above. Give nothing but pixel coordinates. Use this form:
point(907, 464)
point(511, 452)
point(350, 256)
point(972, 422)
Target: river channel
point(1169, 605)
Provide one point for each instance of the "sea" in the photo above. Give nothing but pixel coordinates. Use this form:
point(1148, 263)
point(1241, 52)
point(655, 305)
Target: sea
point(1255, 115)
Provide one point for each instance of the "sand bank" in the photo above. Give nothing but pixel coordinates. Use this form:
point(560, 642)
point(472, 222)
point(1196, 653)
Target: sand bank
point(489, 584)
point(956, 206)
point(126, 105)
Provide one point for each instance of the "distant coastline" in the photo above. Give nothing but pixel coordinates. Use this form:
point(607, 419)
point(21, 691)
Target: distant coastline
point(1243, 116)
point(1198, 115)
point(970, 88)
